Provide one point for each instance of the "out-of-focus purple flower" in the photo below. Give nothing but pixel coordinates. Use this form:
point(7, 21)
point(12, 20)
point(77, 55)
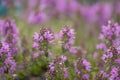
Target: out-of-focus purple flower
point(64, 58)
point(114, 73)
point(101, 46)
point(37, 17)
point(10, 33)
point(8, 26)
point(20, 66)
point(31, 18)
point(75, 78)
point(36, 36)
point(32, 4)
point(65, 73)
point(74, 5)
point(105, 75)
point(96, 13)
point(85, 76)
point(87, 65)
point(49, 54)
point(12, 63)
point(116, 6)
point(116, 42)
point(101, 36)
point(42, 52)
point(3, 69)
point(35, 45)
point(35, 55)
point(95, 54)
point(118, 49)
point(117, 61)
point(77, 71)
point(73, 50)
point(61, 5)
point(51, 66)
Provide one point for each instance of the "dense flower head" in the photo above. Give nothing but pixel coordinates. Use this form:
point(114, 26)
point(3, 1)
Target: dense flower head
point(110, 55)
point(8, 46)
point(82, 68)
point(67, 36)
point(111, 68)
point(8, 26)
point(57, 66)
point(73, 50)
point(8, 64)
point(105, 74)
point(117, 61)
point(110, 32)
point(114, 74)
point(59, 61)
point(43, 40)
point(9, 33)
point(44, 35)
point(87, 65)
point(83, 64)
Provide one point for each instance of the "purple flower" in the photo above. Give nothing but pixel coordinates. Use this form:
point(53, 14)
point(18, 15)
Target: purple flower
point(8, 26)
point(65, 73)
point(87, 65)
point(77, 71)
point(107, 55)
point(67, 37)
point(35, 55)
point(49, 54)
point(114, 73)
point(42, 52)
point(101, 46)
point(58, 66)
point(35, 45)
point(64, 58)
point(37, 17)
point(10, 34)
point(36, 36)
point(73, 50)
point(82, 67)
point(6, 54)
point(2, 70)
point(105, 75)
point(43, 40)
point(51, 66)
point(85, 76)
point(117, 61)
point(95, 55)
point(110, 33)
